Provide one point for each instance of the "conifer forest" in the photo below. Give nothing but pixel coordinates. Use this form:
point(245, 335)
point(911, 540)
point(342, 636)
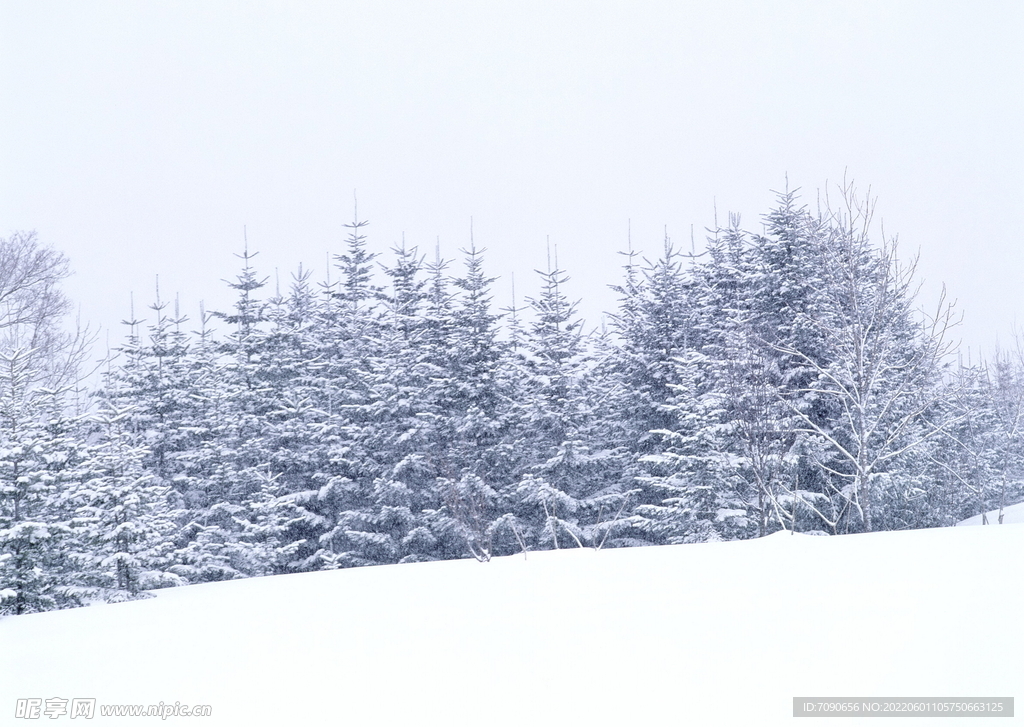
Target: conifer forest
point(782, 377)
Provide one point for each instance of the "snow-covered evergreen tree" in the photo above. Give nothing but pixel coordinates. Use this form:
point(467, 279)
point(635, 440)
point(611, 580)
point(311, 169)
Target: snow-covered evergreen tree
point(347, 337)
point(569, 494)
point(123, 521)
point(37, 448)
point(684, 339)
point(779, 379)
point(976, 462)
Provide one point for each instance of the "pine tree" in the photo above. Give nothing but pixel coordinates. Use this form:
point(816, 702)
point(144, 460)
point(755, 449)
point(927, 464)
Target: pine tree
point(287, 522)
point(655, 327)
point(124, 520)
point(36, 450)
point(348, 332)
point(702, 495)
point(232, 399)
point(482, 459)
point(562, 496)
point(1007, 392)
point(749, 377)
point(975, 462)
point(404, 413)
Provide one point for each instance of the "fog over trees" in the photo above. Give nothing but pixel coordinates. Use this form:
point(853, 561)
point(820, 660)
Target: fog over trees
point(787, 377)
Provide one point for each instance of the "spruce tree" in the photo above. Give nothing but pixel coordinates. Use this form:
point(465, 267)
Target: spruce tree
point(37, 450)
point(124, 519)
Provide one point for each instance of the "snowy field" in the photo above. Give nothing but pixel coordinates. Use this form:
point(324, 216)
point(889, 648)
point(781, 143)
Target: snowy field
point(1012, 515)
point(717, 634)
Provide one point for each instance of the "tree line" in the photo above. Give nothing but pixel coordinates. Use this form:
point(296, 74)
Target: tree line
point(781, 379)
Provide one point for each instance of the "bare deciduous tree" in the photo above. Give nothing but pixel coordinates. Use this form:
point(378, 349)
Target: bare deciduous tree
point(884, 372)
point(33, 310)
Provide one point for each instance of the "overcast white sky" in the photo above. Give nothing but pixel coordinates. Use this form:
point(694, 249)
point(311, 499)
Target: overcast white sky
point(139, 137)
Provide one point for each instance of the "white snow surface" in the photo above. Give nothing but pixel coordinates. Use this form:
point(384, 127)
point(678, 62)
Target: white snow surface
point(1012, 515)
point(715, 634)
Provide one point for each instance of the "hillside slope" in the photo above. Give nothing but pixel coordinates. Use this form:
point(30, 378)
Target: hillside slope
point(1012, 515)
point(724, 633)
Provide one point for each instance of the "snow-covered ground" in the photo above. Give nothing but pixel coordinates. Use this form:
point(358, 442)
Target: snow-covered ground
point(1012, 515)
point(717, 634)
